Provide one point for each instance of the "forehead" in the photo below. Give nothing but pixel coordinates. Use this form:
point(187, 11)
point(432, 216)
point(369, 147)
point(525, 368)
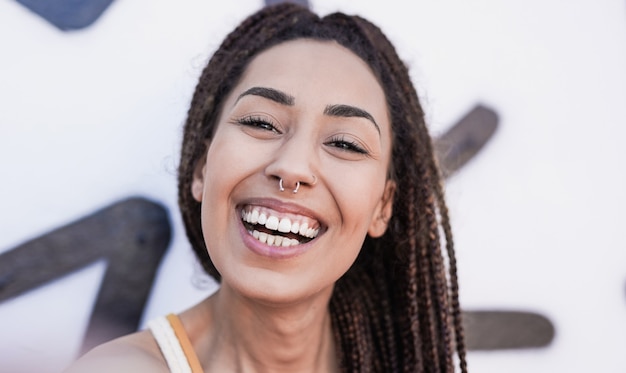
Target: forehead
point(311, 54)
point(316, 73)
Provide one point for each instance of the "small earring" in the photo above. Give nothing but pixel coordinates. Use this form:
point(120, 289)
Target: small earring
point(297, 187)
point(314, 180)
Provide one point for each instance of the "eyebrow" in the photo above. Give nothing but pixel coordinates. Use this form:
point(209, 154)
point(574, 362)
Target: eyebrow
point(271, 94)
point(350, 111)
point(339, 110)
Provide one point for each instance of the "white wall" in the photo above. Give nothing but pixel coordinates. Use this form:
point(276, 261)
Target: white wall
point(93, 116)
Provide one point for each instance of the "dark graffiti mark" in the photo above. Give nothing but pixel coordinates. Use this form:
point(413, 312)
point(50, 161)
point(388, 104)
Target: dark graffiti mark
point(301, 2)
point(132, 235)
point(68, 15)
point(465, 139)
point(499, 330)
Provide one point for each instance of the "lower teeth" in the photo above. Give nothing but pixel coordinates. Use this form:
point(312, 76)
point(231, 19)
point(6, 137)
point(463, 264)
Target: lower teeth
point(272, 240)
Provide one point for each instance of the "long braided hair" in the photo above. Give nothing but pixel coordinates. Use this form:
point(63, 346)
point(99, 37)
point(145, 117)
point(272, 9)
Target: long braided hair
point(397, 308)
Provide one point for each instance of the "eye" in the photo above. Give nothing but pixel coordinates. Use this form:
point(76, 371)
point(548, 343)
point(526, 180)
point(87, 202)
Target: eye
point(258, 122)
point(347, 145)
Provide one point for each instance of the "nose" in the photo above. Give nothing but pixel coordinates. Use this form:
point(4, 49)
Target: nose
point(293, 165)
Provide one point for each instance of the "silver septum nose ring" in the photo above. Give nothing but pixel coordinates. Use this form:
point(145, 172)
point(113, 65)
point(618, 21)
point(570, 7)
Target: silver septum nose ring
point(282, 189)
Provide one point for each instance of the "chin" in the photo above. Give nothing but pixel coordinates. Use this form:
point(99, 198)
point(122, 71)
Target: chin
point(272, 288)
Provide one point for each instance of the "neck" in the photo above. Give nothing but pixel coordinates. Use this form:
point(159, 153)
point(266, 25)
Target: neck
point(247, 336)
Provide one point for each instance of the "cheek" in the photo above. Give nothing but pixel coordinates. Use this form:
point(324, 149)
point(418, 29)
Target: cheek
point(358, 193)
point(225, 163)
point(223, 169)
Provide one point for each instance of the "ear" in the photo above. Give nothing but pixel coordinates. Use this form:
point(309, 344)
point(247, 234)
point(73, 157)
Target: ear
point(197, 184)
point(383, 212)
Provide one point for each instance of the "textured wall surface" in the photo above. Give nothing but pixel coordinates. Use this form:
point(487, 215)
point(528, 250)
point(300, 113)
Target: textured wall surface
point(527, 100)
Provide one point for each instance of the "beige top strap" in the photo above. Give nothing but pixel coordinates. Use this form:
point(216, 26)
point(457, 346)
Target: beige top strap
point(185, 343)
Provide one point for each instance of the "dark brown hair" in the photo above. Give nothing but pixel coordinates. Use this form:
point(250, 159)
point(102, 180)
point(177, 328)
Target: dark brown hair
point(396, 309)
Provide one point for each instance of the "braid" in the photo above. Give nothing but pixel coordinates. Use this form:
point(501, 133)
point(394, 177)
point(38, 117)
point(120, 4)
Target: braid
point(346, 314)
point(412, 289)
point(395, 310)
point(439, 285)
point(426, 281)
point(454, 284)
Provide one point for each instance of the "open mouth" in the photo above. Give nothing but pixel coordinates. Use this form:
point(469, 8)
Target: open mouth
point(276, 229)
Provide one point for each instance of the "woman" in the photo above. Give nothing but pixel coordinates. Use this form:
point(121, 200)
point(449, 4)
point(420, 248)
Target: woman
point(309, 189)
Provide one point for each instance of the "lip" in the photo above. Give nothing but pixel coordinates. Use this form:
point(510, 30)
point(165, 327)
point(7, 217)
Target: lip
point(280, 206)
point(276, 252)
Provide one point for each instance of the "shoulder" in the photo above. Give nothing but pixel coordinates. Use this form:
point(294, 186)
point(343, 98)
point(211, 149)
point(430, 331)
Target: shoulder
point(133, 353)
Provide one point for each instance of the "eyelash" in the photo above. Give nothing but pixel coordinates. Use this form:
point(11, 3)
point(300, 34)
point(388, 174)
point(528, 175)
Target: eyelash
point(338, 141)
point(346, 145)
point(258, 122)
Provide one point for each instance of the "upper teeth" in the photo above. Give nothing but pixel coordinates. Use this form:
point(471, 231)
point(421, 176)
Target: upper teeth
point(283, 225)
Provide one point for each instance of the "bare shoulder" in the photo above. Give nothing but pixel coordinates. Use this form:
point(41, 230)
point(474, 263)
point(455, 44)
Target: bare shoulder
point(136, 352)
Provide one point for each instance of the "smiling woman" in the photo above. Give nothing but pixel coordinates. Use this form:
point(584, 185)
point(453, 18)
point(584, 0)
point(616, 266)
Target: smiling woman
point(293, 136)
point(309, 189)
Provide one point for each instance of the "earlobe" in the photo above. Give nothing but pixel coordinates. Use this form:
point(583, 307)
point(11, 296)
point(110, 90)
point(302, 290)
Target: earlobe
point(384, 211)
point(197, 184)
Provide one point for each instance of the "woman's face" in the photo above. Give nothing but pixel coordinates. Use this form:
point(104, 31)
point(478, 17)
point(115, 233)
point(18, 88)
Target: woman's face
point(310, 112)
